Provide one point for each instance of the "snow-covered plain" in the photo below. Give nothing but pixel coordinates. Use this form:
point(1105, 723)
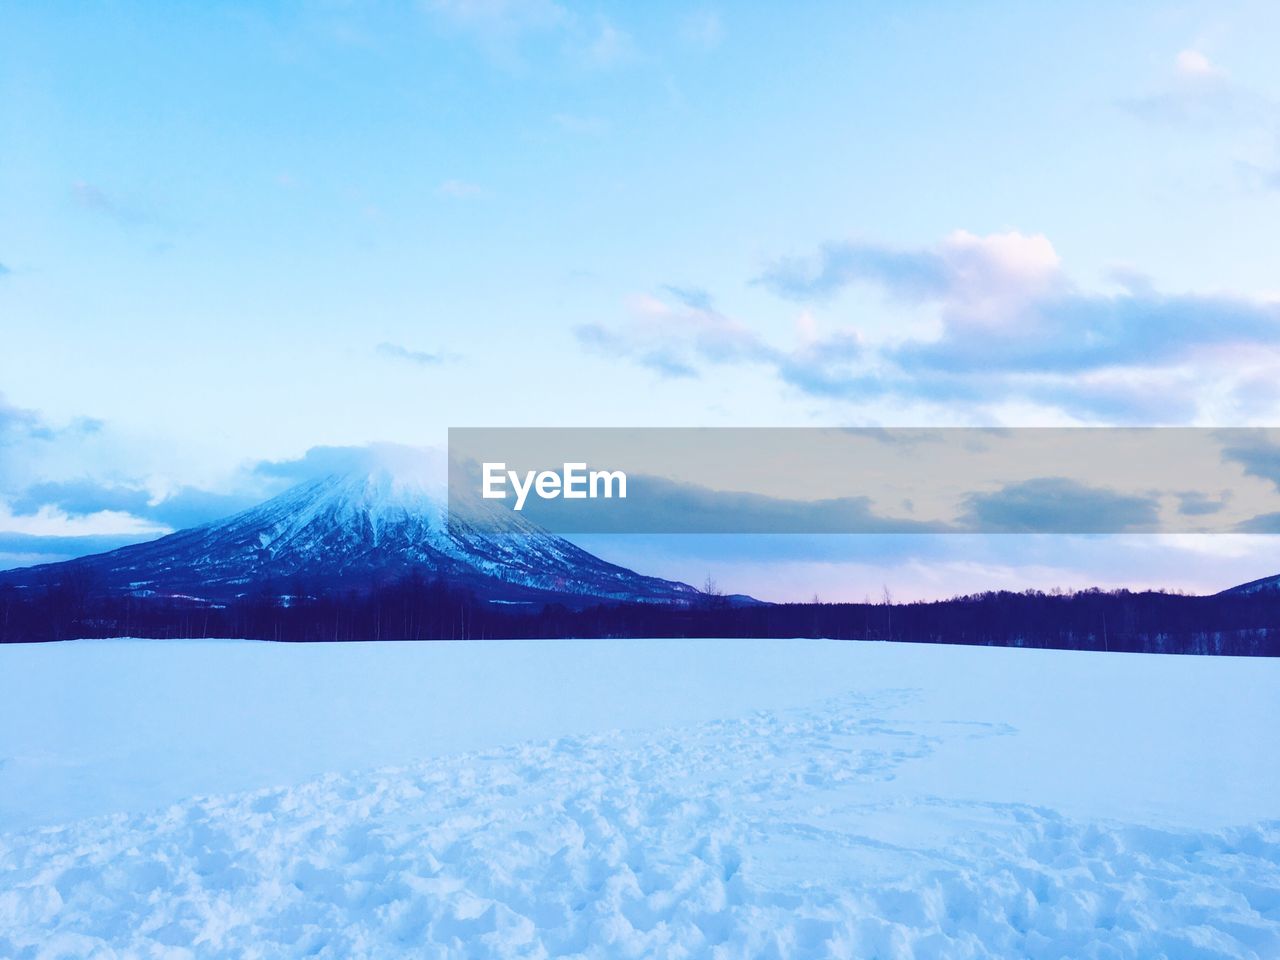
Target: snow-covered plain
point(635, 798)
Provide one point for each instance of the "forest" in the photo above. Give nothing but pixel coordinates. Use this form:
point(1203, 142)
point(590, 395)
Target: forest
point(416, 607)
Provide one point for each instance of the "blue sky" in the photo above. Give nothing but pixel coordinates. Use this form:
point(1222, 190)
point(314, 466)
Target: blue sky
point(235, 232)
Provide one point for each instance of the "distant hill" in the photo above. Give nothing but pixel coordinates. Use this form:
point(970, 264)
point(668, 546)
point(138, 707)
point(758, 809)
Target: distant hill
point(1265, 585)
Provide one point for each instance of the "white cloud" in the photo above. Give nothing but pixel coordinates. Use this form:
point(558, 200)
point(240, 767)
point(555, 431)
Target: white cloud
point(1197, 90)
point(702, 28)
point(51, 522)
point(608, 47)
point(1013, 332)
point(1193, 63)
point(677, 340)
point(992, 278)
point(422, 358)
point(506, 29)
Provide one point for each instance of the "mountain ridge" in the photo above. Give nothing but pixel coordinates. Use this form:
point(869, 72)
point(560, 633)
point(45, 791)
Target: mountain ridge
point(1261, 585)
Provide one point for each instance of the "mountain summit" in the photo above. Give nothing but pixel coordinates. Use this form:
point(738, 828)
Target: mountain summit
point(350, 531)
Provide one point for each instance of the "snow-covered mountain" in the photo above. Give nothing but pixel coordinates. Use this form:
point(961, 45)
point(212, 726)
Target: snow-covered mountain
point(352, 530)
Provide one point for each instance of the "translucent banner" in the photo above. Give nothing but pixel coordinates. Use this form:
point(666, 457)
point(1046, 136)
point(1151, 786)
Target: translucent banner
point(819, 480)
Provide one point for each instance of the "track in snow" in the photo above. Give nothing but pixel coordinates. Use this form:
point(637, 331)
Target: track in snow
point(777, 835)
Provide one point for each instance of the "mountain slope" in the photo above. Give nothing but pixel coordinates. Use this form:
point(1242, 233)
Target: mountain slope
point(1265, 585)
point(350, 531)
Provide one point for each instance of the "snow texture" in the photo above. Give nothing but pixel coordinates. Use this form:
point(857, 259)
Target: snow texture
point(835, 827)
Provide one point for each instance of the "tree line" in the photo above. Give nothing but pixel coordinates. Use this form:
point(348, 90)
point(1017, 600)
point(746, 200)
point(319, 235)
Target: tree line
point(417, 607)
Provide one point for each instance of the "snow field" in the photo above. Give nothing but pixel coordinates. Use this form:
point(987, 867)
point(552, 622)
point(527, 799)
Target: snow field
point(781, 833)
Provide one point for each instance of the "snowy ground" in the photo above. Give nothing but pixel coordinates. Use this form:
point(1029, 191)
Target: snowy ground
point(614, 799)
